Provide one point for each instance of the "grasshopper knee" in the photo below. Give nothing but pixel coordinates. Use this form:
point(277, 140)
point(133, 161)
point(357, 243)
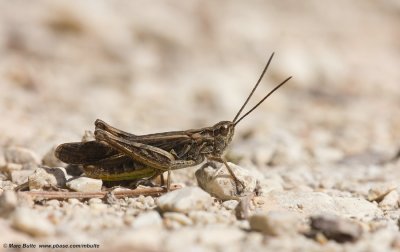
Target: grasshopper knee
point(100, 135)
point(100, 124)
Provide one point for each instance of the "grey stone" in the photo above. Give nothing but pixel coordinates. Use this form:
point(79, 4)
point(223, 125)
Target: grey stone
point(222, 185)
point(243, 208)
point(44, 177)
point(336, 228)
point(84, 184)
point(184, 200)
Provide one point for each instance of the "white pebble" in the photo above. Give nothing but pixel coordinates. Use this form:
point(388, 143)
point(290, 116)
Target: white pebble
point(230, 204)
point(185, 200)
point(84, 184)
point(147, 219)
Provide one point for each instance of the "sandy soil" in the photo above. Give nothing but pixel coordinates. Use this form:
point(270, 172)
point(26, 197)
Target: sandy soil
point(150, 67)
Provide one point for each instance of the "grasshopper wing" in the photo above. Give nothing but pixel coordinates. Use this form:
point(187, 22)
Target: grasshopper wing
point(83, 153)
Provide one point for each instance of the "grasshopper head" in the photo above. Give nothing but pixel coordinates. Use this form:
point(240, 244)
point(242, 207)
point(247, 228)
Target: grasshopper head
point(222, 133)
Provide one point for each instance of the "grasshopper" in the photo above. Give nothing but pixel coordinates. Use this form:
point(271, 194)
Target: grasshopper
point(116, 155)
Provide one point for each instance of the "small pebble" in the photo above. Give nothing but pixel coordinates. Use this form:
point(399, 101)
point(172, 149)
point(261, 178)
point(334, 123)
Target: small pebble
point(44, 177)
point(185, 200)
point(203, 217)
point(222, 236)
point(29, 221)
point(180, 218)
point(230, 204)
point(272, 183)
point(73, 201)
point(25, 200)
point(98, 206)
point(11, 167)
point(84, 184)
point(7, 185)
point(20, 177)
point(336, 228)
point(242, 209)
point(138, 205)
point(8, 203)
point(147, 219)
point(95, 201)
point(275, 223)
point(390, 201)
point(18, 155)
point(222, 185)
point(141, 198)
point(149, 201)
point(54, 203)
point(378, 192)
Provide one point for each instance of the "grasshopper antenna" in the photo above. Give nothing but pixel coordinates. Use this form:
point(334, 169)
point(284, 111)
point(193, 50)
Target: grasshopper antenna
point(263, 99)
point(255, 87)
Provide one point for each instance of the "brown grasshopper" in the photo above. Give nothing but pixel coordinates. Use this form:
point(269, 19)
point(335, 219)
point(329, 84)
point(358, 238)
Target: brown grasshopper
point(116, 155)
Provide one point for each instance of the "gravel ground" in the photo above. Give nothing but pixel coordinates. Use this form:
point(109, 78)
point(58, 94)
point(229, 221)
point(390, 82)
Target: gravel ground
point(318, 158)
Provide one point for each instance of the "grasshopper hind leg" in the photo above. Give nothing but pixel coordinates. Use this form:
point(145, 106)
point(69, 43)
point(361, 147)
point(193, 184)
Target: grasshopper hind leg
point(169, 180)
point(100, 124)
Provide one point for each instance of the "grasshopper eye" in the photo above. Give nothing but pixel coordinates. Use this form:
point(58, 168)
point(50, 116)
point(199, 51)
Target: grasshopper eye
point(224, 130)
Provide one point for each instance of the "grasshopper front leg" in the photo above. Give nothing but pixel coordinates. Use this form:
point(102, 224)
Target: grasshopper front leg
point(151, 156)
point(235, 179)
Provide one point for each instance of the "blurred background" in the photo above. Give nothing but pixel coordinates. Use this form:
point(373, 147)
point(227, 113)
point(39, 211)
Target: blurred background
point(148, 67)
